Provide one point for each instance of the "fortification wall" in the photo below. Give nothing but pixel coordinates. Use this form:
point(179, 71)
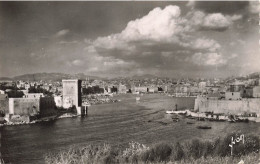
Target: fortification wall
point(24, 106)
point(228, 106)
point(183, 102)
point(4, 106)
point(47, 106)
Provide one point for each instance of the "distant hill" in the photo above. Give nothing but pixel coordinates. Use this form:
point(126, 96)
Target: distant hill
point(144, 76)
point(149, 76)
point(5, 78)
point(254, 75)
point(50, 76)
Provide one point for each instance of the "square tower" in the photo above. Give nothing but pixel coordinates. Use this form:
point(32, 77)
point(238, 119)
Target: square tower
point(71, 93)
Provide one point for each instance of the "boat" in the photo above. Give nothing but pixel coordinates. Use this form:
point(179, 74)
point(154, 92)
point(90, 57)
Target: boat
point(175, 112)
point(204, 127)
point(175, 119)
point(190, 122)
point(169, 112)
point(137, 98)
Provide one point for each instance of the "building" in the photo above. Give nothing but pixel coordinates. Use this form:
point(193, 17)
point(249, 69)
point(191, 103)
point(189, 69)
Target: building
point(214, 96)
point(72, 94)
point(233, 95)
point(33, 95)
point(256, 92)
point(248, 92)
point(27, 86)
point(122, 88)
point(202, 84)
point(140, 89)
point(237, 88)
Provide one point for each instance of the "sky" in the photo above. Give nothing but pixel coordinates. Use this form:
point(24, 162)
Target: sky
point(112, 39)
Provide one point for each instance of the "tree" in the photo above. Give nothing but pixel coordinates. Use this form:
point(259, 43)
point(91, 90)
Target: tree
point(15, 94)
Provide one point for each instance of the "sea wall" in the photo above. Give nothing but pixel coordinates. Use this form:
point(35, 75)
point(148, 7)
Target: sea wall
point(183, 102)
point(228, 106)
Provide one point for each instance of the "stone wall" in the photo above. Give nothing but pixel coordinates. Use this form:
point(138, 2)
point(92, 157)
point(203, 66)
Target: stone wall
point(228, 106)
point(24, 106)
point(47, 106)
point(184, 102)
point(4, 106)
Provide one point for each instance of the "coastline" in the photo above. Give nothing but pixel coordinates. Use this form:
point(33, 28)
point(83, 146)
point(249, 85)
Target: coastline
point(44, 119)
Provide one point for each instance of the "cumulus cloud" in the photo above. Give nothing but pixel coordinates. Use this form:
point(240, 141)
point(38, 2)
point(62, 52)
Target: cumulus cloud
point(215, 21)
point(159, 24)
point(160, 35)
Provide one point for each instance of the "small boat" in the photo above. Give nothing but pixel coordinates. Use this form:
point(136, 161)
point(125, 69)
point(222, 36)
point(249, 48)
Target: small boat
point(204, 127)
point(137, 98)
point(190, 122)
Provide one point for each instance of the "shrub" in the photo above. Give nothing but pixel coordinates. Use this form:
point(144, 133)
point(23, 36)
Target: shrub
point(252, 144)
point(202, 151)
point(177, 152)
point(160, 152)
point(194, 149)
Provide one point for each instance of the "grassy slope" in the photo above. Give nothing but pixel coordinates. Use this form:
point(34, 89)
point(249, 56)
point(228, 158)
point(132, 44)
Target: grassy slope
point(193, 152)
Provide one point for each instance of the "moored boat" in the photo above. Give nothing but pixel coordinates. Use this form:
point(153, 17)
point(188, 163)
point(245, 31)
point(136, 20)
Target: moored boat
point(204, 127)
point(169, 112)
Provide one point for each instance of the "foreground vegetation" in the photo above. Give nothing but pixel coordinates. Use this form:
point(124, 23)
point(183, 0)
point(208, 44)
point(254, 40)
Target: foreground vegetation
point(194, 151)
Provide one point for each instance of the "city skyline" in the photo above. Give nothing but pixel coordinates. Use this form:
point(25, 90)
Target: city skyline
point(111, 39)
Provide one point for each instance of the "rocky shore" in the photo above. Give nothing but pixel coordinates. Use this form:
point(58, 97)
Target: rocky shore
point(50, 118)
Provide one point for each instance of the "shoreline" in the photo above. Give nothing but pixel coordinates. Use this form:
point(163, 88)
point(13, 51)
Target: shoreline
point(45, 119)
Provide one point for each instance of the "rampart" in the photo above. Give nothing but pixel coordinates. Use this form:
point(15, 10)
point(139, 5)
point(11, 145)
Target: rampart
point(252, 105)
point(183, 102)
point(24, 106)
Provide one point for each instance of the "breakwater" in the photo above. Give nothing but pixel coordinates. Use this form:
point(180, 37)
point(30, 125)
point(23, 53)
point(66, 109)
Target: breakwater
point(252, 105)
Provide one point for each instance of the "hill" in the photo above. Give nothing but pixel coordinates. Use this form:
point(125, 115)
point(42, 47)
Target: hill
point(50, 76)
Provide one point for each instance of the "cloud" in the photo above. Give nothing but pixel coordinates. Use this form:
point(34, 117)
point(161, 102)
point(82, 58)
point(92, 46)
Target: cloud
point(254, 7)
point(214, 22)
point(62, 33)
point(162, 39)
point(224, 7)
point(68, 42)
point(77, 62)
point(159, 25)
point(206, 44)
point(207, 59)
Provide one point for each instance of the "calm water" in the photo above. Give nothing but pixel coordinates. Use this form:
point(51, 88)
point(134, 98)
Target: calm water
point(117, 123)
